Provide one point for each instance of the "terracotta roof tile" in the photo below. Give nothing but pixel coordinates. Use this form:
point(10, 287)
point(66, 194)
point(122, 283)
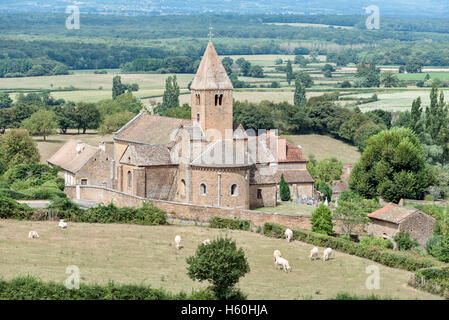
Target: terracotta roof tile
point(294, 176)
point(293, 154)
point(393, 213)
point(69, 159)
point(150, 129)
point(146, 155)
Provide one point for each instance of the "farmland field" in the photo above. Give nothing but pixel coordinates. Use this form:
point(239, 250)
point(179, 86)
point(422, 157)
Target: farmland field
point(323, 147)
point(289, 207)
point(142, 254)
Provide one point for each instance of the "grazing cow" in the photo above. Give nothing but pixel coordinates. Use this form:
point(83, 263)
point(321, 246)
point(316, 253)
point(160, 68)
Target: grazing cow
point(283, 263)
point(327, 254)
point(62, 224)
point(289, 235)
point(33, 235)
point(314, 254)
point(178, 242)
point(276, 254)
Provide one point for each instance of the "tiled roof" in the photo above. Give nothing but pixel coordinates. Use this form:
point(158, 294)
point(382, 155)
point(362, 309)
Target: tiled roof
point(150, 129)
point(211, 74)
point(258, 151)
point(69, 159)
point(293, 154)
point(393, 213)
point(293, 176)
point(146, 155)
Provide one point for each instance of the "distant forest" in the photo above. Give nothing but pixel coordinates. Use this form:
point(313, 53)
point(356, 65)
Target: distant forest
point(106, 41)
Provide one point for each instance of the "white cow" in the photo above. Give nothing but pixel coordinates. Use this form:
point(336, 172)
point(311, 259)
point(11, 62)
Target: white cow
point(33, 234)
point(327, 254)
point(206, 242)
point(314, 254)
point(276, 254)
point(178, 242)
point(283, 263)
point(289, 235)
point(62, 224)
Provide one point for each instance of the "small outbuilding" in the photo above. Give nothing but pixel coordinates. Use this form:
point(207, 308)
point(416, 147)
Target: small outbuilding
point(393, 219)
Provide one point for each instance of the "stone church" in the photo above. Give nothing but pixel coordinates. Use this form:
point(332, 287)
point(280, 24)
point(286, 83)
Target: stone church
point(207, 160)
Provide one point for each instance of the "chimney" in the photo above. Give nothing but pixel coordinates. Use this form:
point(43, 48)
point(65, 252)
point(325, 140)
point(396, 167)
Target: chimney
point(79, 146)
point(102, 146)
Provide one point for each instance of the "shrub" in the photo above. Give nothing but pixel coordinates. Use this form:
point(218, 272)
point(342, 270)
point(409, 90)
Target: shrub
point(223, 223)
point(29, 288)
point(220, 263)
point(9, 208)
point(438, 247)
point(376, 242)
point(386, 257)
point(405, 243)
point(433, 280)
point(284, 189)
point(350, 296)
point(322, 220)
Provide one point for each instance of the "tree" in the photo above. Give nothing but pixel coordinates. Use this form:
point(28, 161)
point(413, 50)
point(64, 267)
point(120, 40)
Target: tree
point(322, 220)
point(392, 166)
point(289, 72)
point(117, 87)
point(18, 148)
point(114, 122)
point(87, 116)
point(325, 190)
point(328, 74)
point(300, 93)
point(170, 99)
point(5, 100)
point(256, 72)
point(405, 243)
point(306, 79)
point(354, 212)
point(326, 170)
point(416, 123)
point(66, 117)
point(284, 189)
point(42, 123)
point(220, 263)
point(389, 80)
point(414, 65)
point(245, 67)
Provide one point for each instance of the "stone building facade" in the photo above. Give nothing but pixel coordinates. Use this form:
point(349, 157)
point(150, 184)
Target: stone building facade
point(393, 219)
point(208, 159)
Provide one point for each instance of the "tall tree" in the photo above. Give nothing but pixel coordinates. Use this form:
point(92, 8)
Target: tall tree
point(87, 116)
point(117, 87)
point(289, 72)
point(170, 99)
point(416, 124)
point(299, 98)
point(5, 100)
point(18, 148)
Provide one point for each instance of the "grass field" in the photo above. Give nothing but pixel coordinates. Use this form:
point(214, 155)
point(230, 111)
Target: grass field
point(143, 254)
point(323, 147)
point(54, 142)
point(292, 208)
point(422, 75)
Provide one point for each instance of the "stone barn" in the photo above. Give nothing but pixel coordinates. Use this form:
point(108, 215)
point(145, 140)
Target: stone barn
point(393, 219)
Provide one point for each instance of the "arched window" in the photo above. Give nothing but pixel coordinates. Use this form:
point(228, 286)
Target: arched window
point(198, 98)
point(216, 99)
point(234, 190)
point(220, 100)
point(130, 179)
point(183, 188)
point(203, 188)
point(198, 117)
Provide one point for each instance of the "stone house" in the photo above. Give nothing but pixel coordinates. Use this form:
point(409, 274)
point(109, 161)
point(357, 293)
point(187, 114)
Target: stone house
point(205, 160)
point(83, 164)
point(393, 219)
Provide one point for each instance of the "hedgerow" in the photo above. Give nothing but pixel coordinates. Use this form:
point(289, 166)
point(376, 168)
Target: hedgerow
point(29, 288)
point(225, 223)
point(433, 280)
point(9, 208)
point(383, 256)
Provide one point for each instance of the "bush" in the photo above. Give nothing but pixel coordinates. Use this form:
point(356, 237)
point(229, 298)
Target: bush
point(29, 288)
point(223, 223)
point(438, 247)
point(386, 257)
point(322, 220)
point(433, 280)
point(405, 243)
point(220, 263)
point(9, 208)
point(376, 242)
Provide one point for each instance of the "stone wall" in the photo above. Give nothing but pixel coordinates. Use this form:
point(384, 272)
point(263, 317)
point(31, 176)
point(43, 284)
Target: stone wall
point(193, 212)
point(420, 226)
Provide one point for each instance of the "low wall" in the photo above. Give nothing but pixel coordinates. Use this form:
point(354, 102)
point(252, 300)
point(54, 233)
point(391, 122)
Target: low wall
point(186, 211)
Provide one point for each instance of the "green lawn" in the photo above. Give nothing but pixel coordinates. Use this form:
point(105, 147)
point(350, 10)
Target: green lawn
point(128, 253)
